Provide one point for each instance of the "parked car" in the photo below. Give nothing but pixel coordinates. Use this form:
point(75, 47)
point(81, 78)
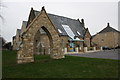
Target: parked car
point(106, 48)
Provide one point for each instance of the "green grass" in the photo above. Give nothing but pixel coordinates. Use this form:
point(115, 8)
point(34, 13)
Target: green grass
point(69, 67)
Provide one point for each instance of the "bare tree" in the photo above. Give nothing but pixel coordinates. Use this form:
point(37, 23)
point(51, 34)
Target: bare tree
point(1, 6)
point(0, 10)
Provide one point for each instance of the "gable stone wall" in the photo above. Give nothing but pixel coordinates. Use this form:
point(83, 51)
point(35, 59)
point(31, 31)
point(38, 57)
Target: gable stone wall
point(109, 39)
point(25, 54)
point(87, 40)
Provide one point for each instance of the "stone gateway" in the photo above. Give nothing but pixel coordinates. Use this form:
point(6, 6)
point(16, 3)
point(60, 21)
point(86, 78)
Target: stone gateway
point(28, 46)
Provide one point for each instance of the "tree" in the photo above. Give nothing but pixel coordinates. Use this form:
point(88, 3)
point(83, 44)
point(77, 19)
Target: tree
point(2, 42)
point(7, 46)
point(1, 6)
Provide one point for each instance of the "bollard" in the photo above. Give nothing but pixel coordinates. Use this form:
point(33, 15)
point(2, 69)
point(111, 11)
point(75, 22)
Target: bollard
point(94, 48)
point(48, 50)
point(76, 49)
point(101, 48)
point(85, 49)
point(80, 48)
point(65, 50)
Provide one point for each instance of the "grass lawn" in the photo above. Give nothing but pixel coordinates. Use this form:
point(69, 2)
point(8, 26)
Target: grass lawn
point(69, 67)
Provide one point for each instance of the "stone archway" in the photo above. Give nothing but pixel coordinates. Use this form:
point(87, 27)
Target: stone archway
point(25, 54)
point(43, 42)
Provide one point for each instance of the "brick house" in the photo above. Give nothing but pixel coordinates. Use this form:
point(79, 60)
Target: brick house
point(72, 32)
point(107, 37)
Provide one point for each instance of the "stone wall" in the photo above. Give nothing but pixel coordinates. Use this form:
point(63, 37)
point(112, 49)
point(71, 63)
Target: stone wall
point(109, 39)
point(16, 41)
point(64, 41)
point(14, 44)
point(23, 28)
point(25, 54)
point(42, 44)
point(87, 40)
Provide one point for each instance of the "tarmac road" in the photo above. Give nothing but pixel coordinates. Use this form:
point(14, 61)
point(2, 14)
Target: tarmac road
point(106, 54)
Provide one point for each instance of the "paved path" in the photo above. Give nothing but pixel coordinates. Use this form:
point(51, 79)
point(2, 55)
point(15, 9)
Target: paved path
point(106, 54)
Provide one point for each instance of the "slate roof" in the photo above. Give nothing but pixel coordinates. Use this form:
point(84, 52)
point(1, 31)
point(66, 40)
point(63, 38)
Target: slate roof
point(108, 29)
point(58, 21)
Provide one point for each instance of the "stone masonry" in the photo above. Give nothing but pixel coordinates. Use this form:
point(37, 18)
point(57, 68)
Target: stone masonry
point(25, 53)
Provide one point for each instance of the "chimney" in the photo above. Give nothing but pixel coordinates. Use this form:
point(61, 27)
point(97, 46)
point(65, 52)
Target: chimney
point(31, 8)
point(82, 21)
point(43, 8)
point(108, 24)
point(78, 19)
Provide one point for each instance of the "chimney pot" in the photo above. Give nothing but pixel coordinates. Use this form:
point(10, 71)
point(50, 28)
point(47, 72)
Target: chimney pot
point(108, 24)
point(43, 8)
point(82, 20)
point(31, 8)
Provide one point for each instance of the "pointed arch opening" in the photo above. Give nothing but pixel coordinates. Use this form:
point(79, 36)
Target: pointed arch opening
point(43, 42)
point(32, 39)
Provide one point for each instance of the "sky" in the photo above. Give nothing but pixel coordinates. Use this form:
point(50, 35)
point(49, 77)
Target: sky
point(96, 13)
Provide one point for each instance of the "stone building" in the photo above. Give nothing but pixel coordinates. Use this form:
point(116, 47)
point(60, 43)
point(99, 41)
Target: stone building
point(16, 40)
point(46, 33)
point(108, 37)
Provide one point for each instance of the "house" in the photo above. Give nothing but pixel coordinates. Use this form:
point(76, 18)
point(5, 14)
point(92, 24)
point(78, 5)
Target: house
point(108, 37)
point(71, 31)
point(46, 33)
point(16, 40)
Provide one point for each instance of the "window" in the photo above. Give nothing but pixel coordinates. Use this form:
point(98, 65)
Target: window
point(102, 40)
point(78, 33)
point(69, 31)
point(59, 31)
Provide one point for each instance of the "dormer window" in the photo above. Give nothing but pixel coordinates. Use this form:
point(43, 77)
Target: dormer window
point(78, 33)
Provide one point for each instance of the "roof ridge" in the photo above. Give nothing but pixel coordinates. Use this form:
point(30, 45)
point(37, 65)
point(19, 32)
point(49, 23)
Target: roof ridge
point(62, 16)
point(58, 15)
point(108, 29)
point(18, 29)
point(25, 21)
point(36, 10)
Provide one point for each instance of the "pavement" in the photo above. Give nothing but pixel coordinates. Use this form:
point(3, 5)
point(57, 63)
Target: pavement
point(105, 54)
